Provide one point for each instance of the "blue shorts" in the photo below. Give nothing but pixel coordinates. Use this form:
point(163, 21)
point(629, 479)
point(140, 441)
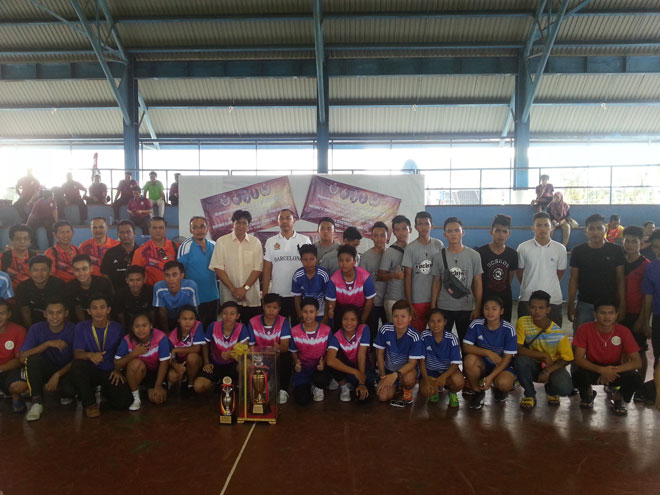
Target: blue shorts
point(435, 373)
point(490, 366)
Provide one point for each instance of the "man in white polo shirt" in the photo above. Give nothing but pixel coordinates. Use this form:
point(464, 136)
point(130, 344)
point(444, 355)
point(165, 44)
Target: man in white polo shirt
point(541, 266)
point(282, 260)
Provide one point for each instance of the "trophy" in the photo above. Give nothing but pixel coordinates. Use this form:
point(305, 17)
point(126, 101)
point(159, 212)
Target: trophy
point(259, 385)
point(227, 401)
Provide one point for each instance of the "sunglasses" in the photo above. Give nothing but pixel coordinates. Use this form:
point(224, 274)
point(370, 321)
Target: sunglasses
point(163, 254)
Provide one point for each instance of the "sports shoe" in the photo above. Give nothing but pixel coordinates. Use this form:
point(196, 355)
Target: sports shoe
point(620, 408)
point(477, 400)
point(588, 404)
point(66, 401)
point(499, 395)
point(35, 412)
point(283, 397)
point(334, 385)
point(467, 391)
point(453, 400)
point(553, 400)
point(317, 394)
point(93, 411)
point(640, 397)
point(137, 403)
point(434, 398)
point(407, 396)
point(97, 394)
point(345, 394)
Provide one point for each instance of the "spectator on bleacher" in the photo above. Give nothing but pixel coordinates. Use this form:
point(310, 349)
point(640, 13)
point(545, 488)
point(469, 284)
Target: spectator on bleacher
point(15, 260)
point(173, 293)
point(135, 298)
point(28, 189)
point(139, 210)
point(124, 194)
point(544, 193)
point(32, 294)
point(154, 191)
point(559, 210)
point(78, 291)
point(98, 192)
point(62, 252)
point(71, 195)
point(614, 230)
point(117, 259)
point(98, 245)
point(174, 191)
point(195, 254)
point(647, 249)
point(157, 251)
point(44, 214)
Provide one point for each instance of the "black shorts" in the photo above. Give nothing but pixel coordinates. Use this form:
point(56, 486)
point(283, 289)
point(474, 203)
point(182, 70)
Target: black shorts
point(9, 377)
point(149, 380)
point(220, 371)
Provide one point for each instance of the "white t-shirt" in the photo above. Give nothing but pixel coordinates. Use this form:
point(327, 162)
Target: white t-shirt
point(540, 264)
point(283, 254)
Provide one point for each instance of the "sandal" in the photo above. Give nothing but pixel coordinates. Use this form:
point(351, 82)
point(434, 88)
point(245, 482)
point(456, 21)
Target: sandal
point(528, 403)
point(553, 400)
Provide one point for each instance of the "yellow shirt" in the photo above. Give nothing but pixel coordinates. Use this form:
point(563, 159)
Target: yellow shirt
point(552, 341)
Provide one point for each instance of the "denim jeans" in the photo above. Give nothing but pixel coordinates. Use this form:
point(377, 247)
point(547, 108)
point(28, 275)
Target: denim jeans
point(528, 369)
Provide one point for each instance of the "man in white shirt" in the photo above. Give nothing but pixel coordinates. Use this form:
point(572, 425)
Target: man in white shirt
point(541, 266)
point(282, 260)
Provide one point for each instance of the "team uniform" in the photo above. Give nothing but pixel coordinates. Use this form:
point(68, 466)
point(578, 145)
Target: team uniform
point(311, 348)
point(153, 259)
point(159, 350)
point(163, 298)
point(218, 343)
point(96, 252)
point(348, 350)
point(501, 341)
point(355, 293)
point(17, 269)
point(438, 357)
point(6, 289)
point(62, 263)
point(315, 287)
point(195, 337)
point(398, 351)
point(262, 335)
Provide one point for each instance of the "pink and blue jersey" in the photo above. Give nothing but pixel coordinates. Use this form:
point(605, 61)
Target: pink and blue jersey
point(195, 337)
point(310, 346)
point(219, 342)
point(315, 287)
point(501, 341)
point(356, 292)
point(398, 350)
point(440, 356)
point(159, 349)
point(350, 347)
point(262, 335)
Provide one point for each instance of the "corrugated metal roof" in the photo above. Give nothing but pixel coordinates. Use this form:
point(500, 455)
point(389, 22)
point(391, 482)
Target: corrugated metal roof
point(61, 123)
point(595, 120)
point(75, 92)
point(599, 87)
point(639, 27)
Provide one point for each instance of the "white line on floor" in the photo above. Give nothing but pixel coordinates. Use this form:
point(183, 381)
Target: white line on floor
point(238, 458)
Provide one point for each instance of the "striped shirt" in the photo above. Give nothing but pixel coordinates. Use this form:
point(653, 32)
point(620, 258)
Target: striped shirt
point(553, 340)
point(501, 341)
point(302, 285)
point(163, 298)
point(356, 292)
point(440, 356)
point(398, 350)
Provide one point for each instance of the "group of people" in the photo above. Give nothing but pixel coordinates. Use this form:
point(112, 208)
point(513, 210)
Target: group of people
point(124, 318)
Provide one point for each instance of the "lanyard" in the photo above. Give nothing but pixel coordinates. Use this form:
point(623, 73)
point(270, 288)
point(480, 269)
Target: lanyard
point(96, 337)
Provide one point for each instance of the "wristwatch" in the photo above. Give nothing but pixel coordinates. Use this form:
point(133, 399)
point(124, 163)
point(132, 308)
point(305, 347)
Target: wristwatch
point(246, 287)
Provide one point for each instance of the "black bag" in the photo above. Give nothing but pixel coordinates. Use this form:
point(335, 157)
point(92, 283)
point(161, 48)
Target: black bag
point(455, 287)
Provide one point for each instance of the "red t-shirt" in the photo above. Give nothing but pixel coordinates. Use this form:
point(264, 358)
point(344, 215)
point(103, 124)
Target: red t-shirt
point(11, 342)
point(139, 204)
point(634, 277)
point(153, 259)
point(96, 252)
point(605, 349)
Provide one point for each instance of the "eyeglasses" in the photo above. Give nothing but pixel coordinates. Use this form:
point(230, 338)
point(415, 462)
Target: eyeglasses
point(163, 254)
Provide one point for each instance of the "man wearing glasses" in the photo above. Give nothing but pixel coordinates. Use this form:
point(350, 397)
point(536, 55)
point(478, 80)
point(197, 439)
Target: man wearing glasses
point(157, 251)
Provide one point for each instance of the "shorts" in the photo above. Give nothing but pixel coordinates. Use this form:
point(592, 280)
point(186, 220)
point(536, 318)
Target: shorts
point(9, 377)
point(220, 371)
point(422, 311)
point(435, 373)
point(490, 366)
point(149, 380)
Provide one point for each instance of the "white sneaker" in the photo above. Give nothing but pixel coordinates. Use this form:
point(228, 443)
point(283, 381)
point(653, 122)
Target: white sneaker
point(283, 397)
point(317, 393)
point(333, 385)
point(66, 401)
point(137, 403)
point(345, 394)
point(97, 394)
point(35, 412)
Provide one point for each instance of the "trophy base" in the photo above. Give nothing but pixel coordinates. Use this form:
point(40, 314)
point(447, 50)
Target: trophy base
point(258, 409)
point(226, 420)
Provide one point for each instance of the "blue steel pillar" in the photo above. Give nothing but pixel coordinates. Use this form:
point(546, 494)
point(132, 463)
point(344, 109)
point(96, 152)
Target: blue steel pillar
point(129, 91)
point(521, 131)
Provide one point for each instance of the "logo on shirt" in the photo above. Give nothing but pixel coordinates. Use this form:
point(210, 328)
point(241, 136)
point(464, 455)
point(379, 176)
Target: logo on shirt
point(481, 337)
point(458, 273)
point(498, 274)
point(9, 345)
point(388, 342)
point(428, 348)
point(424, 267)
point(616, 340)
point(276, 246)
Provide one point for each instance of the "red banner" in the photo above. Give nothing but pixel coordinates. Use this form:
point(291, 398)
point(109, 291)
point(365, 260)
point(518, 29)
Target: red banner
point(347, 205)
point(263, 200)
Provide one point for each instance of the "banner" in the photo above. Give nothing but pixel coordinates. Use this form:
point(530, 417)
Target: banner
point(263, 200)
point(348, 205)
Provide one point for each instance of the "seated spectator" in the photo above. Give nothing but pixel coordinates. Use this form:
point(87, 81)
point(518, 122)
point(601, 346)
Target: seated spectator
point(174, 191)
point(135, 298)
point(63, 252)
point(44, 214)
point(559, 210)
point(15, 260)
point(139, 210)
point(28, 189)
point(117, 259)
point(543, 193)
point(12, 337)
point(614, 230)
point(157, 251)
point(171, 294)
point(614, 365)
point(70, 191)
point(98, 192)
point(33, 293)
point(154, 191)
point(78, 291)
point(124, 193)
point(98, 245)
point(350, 237)
point(647, 249)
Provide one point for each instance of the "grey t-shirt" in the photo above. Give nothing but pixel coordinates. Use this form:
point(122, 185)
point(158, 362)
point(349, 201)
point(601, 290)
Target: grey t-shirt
point(391, 262)
point(465, 266)
point(322, 251)
point(419, 258)
point(330, 262)
point(370, 261)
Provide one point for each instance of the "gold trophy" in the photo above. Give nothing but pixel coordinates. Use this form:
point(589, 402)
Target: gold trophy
point(227, 401)
point(258, 386)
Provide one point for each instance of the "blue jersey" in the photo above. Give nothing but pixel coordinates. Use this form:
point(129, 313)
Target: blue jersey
point(197, 263)
point(503, 340)
point(302, 285)
point(163, 298)
point(41, 332)
point(6, 290)
point(440, 356)
point(398, 351)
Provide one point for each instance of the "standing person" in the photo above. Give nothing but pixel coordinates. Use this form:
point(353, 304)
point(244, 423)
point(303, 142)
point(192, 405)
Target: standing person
point(139, 210)
point(171, 294)
point(597, 274)
point(651, 290)
point(98, 245)
point(174, 191)
point(371, 261)
point(647, 249)
point(390, 270)
point(135, 298)
point(543, 194)
point(12, 337)
point(559, 211)
point(310, 281)
point(196, 254)
point(32, 294)
point(44, 214)
point(457, 285)
point(238, 260)
point(350, 237)
point(28, 190)
point(541, 266)
point(71, 192)
point(499, 263)
point(15, 260)
point(63, 252)
point(614, 229)
point(326, 242)
point(78, 291)
point(98, 192)
point(154, 191)
point(124, 193)
point(157, 251)
point(417, 264)
point(116, 260)
point(282, 259)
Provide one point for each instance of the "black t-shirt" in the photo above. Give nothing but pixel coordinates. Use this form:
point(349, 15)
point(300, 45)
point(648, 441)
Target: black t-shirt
point(648, 253)
point(127, 303)
point(497, 268)
point(28, 294)
point(114, 264)
point(77, 296)
point(597, 278)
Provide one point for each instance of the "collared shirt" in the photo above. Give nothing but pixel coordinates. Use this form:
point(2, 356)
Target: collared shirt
point(283, 254)
point(163, 298)
point(97, 251)
point(238, 259)
point(196, 261)
point(540, 264)
point(139, 204)
point(62, 267)
point(153, 259)
point(114, 264)
point(17, 269)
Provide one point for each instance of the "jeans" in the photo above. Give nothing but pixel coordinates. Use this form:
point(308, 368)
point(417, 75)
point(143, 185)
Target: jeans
point(528, 369)
point(584, 313)
point(655, 338)
point(303, 381)
point(462, 321)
